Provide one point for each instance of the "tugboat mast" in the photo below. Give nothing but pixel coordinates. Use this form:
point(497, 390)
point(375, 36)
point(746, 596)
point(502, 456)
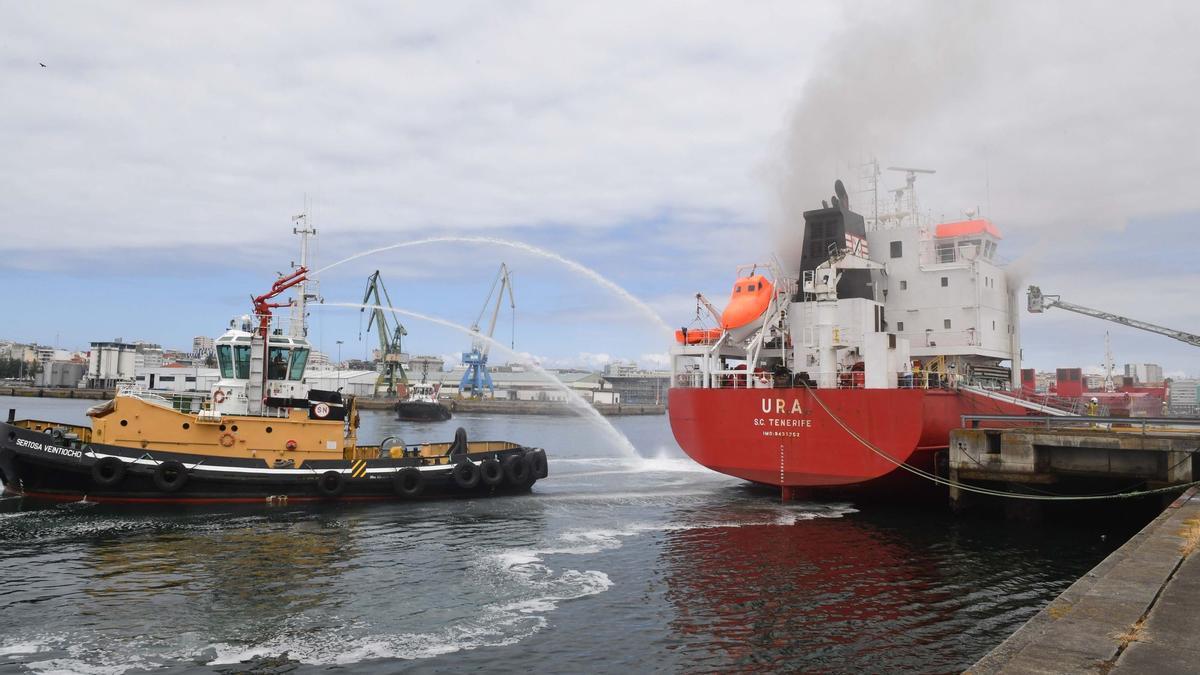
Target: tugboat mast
point(299, 325)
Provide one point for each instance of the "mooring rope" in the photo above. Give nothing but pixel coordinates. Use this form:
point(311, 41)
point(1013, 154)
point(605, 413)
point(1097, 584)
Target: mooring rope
point(980, 490)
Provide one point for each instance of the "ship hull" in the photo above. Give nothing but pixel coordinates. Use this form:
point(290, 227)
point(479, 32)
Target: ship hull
point(35, 465)
point(422, 411)
point(801, 438)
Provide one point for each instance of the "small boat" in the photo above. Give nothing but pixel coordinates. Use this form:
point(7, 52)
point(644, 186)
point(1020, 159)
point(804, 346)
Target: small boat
point(260, 434)
point(421, 404)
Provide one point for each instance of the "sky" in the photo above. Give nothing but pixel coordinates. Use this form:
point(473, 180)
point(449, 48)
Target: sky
point(150, 169)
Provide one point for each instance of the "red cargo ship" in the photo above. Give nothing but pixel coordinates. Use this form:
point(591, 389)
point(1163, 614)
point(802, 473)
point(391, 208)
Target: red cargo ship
point(860, 361)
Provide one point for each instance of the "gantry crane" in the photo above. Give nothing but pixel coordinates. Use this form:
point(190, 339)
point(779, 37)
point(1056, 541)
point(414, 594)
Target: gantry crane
point(391, 352)
point(477, 378)
point(1038, 302)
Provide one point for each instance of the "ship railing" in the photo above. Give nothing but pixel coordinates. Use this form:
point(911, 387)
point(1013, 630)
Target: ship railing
point(724, 379)
point(854, 379)
point(138, 392)
point(923, 380)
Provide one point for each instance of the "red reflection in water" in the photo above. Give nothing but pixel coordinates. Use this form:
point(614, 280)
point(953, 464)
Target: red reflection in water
point(819, 594)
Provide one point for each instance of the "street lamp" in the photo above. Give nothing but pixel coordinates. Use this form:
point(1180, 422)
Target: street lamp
point(339, 365)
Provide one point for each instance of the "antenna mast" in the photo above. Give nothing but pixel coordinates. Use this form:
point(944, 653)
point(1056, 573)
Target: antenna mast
point(300, 226)
point(909, 191)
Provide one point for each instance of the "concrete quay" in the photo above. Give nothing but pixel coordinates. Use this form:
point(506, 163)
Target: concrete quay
point(1079, 451)
point(506, 407)
point(58, 392)
point(1138, 611)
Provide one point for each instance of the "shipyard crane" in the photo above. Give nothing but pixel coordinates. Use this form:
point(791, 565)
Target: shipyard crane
point(391, 353)
point(1039, 302)
point(477, 378)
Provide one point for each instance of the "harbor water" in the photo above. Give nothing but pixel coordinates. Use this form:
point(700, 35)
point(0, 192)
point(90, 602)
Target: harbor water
point(612, 564)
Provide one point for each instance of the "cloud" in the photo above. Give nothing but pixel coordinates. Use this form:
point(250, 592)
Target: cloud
point(651, 142)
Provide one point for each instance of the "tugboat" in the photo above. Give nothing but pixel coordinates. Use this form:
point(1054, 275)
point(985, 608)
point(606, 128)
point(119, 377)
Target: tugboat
point(259, 434)
point(421, 404)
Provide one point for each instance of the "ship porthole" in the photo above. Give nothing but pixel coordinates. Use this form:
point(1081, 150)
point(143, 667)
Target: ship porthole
point(222, 427)
point(124, 423)
point(268, 430)
point(233, 428)
point(186, 425)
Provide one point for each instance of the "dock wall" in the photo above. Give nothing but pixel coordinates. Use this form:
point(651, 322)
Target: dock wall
point(1135, 612)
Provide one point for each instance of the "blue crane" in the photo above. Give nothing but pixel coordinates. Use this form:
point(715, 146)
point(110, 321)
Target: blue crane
point(477, 378)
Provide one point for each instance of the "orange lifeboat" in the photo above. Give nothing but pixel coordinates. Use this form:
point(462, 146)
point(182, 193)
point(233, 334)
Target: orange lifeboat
point(697, 336)
point(750, 298)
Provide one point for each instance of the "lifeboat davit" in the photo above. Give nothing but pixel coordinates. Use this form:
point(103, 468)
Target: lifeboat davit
point(750, 297)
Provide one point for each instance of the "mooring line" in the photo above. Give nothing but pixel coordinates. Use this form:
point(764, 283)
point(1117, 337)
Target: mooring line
point(984, 491)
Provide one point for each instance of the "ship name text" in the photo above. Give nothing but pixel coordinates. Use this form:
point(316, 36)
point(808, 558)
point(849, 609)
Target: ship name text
point(34, 445)
point(779, 406)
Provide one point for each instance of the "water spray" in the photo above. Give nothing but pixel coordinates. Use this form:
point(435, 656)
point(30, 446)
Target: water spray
point(575, 400)
point(528, 248)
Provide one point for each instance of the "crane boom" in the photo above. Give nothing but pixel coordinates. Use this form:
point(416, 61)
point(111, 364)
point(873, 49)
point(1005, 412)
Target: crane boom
point(1039, 302)
point(391, 350)
point(505, 282)
point(477, 378)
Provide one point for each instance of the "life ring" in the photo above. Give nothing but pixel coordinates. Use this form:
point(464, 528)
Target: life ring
point(219, 396)
point(538, 464)
point(491, 472)
point(170, 476)
point(466, 475)
point(108, 472)
point(331, 483)
point(517, 471)
point(408, 483)
point(227, 439)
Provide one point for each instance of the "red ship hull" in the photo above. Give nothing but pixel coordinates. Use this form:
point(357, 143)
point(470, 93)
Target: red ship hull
point(784, 437)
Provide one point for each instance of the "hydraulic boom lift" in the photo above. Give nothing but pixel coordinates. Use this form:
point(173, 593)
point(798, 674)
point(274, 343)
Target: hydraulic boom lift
point(1039, 303)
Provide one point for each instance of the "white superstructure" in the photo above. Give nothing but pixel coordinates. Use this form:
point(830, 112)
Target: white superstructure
point(877, 304)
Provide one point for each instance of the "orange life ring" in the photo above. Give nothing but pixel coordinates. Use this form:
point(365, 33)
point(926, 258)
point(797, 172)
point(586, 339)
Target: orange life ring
point(227, 439)
point(219, 396)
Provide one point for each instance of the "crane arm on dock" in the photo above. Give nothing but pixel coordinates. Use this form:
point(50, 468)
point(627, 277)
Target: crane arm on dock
point(1039, 302)
point(391, 350)
point(504, 282)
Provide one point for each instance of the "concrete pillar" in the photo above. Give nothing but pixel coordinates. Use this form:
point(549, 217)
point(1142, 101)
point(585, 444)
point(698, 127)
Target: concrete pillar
point(1179, 467)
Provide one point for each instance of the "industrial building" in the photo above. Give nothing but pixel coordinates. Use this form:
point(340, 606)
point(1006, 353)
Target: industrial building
point(635, 386)
point(1183, 397)
point(1144, 373)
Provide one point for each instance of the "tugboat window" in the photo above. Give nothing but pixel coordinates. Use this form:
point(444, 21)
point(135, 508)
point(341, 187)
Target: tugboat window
point(241, 354)
point(299, 360)
point(225, 359)
point(897, 249)
point(277, 363)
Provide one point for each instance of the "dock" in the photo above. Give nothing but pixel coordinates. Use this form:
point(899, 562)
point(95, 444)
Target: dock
point(515, 407)
point(1071, 455)
point(1135, 612)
